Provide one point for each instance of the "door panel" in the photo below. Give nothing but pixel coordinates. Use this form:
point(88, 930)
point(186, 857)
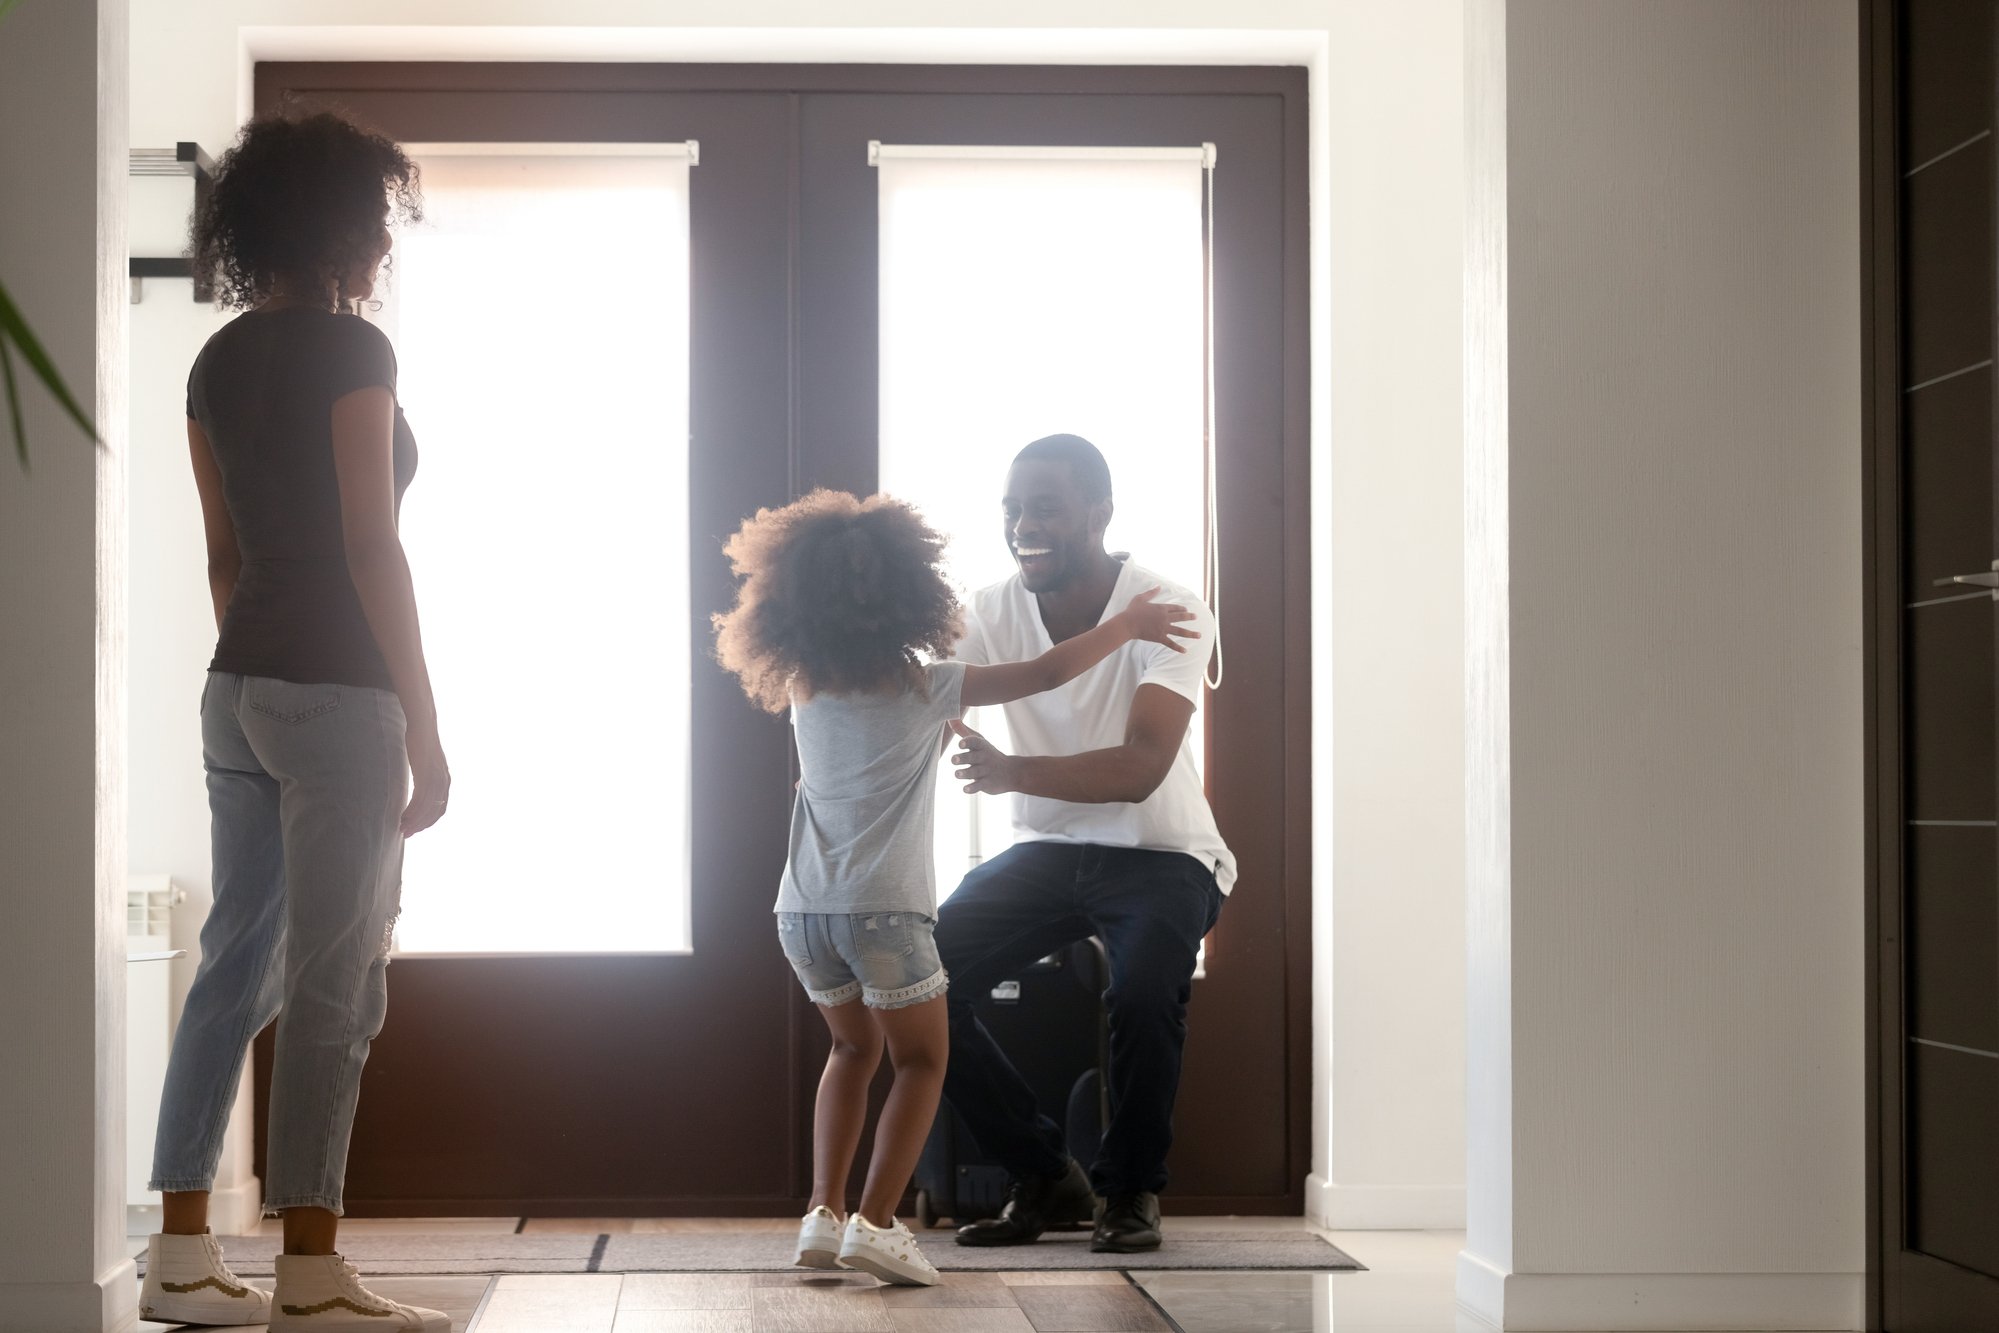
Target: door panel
point(1948, 450)
point(1950, 730)
point(683, 1085)
point(1954, 1174)
point(505, 1085)
point(1947, 97)
point(1953, 935)
point(1948, 279)
point(1241, 1106)
point(1934, 738)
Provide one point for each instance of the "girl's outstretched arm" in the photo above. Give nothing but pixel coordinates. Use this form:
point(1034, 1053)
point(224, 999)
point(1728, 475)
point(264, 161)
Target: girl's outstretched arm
point(1144, 618)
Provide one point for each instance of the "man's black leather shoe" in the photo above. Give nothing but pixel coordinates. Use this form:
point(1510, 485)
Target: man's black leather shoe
point(1033, 1207)
point(1128, 1224)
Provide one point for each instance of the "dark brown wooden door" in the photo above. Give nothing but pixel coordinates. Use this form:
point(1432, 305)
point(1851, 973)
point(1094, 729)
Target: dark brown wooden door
point(1937, 736)
point(682, 1085)
point(1237, 1110)
point(642, 1084)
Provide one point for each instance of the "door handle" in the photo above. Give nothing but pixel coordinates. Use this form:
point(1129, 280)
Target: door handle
point(1981, 580)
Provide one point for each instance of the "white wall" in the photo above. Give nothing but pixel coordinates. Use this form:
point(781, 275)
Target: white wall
point(1682, 893)
point(172, 635)
point(172, 628)
point(1387, 1123)
point(1488, 761)
point(1392, 847)
point(62, 990)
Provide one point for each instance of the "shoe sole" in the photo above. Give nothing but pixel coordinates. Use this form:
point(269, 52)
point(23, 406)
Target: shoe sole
point(978, 1243)
point(817, 1259)
point(170, 1311)
point(1116, 1247)
point(441, 1324)
point(864, 1262)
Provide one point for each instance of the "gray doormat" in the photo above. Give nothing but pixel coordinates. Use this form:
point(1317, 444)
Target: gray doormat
point(738, 1252)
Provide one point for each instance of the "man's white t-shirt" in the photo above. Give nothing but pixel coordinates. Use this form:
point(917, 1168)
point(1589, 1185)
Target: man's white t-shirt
point(1003, 624)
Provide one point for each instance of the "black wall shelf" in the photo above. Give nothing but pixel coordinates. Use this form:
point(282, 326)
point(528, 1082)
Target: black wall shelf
point(186, 159)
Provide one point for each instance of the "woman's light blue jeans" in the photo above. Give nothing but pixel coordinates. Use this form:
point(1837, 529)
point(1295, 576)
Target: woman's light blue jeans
point(306, 786)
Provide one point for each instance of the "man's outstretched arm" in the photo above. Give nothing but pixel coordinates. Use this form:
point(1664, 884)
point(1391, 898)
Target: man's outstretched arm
point(1128, 772)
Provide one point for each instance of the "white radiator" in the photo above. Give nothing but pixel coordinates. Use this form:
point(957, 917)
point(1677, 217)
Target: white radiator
point(149, 904)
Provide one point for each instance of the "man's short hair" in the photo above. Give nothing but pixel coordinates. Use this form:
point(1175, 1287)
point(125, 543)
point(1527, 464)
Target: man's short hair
point(1092, 473)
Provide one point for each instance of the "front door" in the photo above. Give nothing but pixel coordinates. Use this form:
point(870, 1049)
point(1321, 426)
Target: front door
point(677, 1083)
point(1935, 593)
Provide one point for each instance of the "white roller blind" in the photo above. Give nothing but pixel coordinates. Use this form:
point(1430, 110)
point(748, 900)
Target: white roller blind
point(1027, 292)
point(541, 319)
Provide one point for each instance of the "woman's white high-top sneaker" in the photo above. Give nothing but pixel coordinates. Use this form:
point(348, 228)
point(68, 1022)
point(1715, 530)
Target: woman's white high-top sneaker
point(187, 1283)
point(322, 1293)
point(819, 1239)
point(889, 1253)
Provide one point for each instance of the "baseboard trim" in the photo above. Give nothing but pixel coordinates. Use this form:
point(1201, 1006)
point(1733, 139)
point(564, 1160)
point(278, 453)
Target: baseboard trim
point(1384, 1207)
point(1653, 1302)
point(108, 1305)
point(1177, 1206)
point(1481, 1289)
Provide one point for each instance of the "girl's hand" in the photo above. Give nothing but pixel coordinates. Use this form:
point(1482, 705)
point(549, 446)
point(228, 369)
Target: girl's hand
point(1157, 622)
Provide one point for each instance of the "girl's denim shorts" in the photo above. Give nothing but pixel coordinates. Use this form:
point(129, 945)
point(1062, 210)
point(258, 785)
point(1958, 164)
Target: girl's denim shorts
point(888, 959)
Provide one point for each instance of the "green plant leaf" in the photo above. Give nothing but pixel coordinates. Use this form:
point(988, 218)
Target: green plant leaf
point(13, 326)
point(14, 404)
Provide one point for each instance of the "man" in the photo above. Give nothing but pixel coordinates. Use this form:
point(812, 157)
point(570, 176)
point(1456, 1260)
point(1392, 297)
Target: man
point(1114, 838)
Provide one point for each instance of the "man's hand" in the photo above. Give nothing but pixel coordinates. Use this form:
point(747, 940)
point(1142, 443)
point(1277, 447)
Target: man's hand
point(982, 766)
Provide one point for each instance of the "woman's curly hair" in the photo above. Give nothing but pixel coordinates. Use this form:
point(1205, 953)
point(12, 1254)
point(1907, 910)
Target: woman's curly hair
point(302, 196)
point(839, 596)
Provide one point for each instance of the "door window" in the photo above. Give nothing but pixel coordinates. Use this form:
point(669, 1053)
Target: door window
point(540, 316)
point(1037, 291)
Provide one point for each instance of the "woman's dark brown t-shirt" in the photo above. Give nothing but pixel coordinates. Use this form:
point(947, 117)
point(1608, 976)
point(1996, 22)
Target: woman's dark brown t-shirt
point(263, 391)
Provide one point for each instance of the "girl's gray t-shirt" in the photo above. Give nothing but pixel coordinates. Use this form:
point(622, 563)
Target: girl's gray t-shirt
point(862, 820)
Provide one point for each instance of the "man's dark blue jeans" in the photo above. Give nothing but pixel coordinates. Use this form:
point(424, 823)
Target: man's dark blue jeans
point(1150, 909)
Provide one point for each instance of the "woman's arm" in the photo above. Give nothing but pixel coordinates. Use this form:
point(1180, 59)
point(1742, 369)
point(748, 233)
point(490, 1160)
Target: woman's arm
point(225, 559)
point(364, 424)
point(1156, 622)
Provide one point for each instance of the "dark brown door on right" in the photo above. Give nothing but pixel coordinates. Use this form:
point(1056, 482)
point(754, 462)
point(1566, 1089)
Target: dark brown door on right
point(1938, 1044)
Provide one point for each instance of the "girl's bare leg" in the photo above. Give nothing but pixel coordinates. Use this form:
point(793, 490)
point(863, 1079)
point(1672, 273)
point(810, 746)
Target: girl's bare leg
point(919, 1041)
point(842, 1107)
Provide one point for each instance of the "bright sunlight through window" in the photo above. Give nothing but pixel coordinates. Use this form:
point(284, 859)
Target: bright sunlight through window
point(540, 316)
point(1028, 294)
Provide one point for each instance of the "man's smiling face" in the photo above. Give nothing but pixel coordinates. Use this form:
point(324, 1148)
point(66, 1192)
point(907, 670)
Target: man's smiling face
point(1052, 527)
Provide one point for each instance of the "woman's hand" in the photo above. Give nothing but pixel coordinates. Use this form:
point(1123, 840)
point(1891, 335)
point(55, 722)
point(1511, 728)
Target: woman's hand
point(1157, 622)
point(430, 785)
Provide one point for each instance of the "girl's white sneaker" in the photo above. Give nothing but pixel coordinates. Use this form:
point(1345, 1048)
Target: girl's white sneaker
point(322, 1293)
point(889, 1253)
point(187, 1283)
point(819, 1239)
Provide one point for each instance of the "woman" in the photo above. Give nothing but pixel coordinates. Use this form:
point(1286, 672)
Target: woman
point(319, 735)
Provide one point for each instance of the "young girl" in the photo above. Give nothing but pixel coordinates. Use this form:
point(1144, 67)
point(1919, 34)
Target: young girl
point(841, 602)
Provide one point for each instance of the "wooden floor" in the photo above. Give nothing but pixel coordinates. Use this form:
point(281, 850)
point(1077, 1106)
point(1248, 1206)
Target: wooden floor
point(1409, 1288)
point(818, 1303)
point(1094, 1302)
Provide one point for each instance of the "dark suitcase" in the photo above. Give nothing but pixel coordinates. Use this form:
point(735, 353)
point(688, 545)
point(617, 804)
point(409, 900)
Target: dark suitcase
point(1050, 1022)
